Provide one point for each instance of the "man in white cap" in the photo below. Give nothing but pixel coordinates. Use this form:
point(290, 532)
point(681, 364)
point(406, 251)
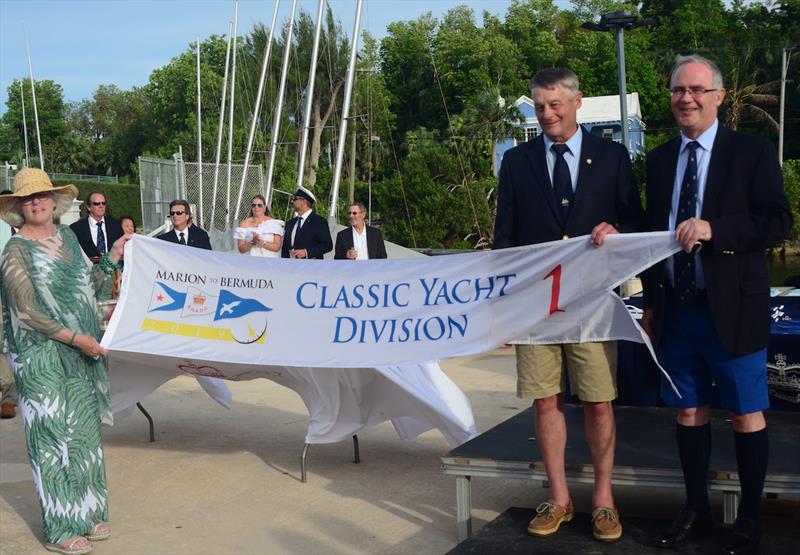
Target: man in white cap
point(307, 234)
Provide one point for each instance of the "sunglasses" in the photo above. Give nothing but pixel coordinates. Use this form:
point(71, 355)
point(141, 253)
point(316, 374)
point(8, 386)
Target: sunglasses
point(177, 213)
point(256, 205)
point(354, 213)
point(99, 203)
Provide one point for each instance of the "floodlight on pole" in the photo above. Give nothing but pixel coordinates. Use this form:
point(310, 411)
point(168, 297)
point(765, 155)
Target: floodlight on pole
point(618, 21)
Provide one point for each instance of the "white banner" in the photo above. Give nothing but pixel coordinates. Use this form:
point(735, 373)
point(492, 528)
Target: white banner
point(200, 305)
point(315, 326)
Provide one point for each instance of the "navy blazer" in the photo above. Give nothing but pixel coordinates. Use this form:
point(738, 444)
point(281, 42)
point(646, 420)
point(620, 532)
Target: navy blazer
point(81, 230)
point(375, 246)
point(197, 237)
point(745, 204)
point(527, 212)
point(314, 236)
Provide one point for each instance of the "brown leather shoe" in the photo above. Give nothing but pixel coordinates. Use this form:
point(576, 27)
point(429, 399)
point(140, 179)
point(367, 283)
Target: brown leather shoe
point(606, 526)
point(7, 411)
point(549, 517)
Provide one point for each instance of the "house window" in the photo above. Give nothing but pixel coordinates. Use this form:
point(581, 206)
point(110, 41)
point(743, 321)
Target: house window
point(530, 133)
point(608, 133)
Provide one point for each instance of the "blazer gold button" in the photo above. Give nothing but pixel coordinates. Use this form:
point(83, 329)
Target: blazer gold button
point(589, 161)
point(565, 237)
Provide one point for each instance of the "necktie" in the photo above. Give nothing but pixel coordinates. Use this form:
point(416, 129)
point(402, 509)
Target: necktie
point(683, 263)
point(297, 228)
point(181, 240)
point(101, 238)
point(562, 182)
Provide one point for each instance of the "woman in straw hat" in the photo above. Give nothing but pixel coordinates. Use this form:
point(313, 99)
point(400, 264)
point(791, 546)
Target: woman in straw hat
point(49, 291)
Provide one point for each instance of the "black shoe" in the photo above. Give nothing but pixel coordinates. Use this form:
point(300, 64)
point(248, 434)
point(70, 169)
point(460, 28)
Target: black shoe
point(689, 524)
point(744, 537)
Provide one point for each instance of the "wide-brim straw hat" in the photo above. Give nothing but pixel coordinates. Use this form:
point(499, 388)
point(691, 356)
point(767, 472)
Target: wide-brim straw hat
point(29, 182)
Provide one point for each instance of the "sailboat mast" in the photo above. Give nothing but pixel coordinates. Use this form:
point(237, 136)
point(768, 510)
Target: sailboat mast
point(35, 109)
point(312, 76)
point(348, 91)
point(199, 135)
point(24, 124)
point(276, 122)
point(230, 117)
point(257, 110)
point(221, 123)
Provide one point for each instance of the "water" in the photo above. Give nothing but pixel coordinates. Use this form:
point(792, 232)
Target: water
point(781, 268)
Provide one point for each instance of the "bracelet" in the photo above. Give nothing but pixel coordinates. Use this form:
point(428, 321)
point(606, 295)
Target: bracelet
point(107, 266)
point(72, 339)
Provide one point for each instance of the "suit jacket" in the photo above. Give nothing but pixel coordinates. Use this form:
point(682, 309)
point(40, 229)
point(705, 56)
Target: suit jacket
point(748, 211)
point(81, 230)
point(526, 206)
point(375, 246)
point(197, 237)
point(314, 236)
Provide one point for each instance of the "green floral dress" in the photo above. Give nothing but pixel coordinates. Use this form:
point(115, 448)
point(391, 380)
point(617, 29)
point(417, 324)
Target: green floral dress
point(48, 285)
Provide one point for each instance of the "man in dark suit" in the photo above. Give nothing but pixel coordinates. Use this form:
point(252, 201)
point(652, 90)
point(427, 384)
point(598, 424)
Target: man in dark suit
point(307, 234)
point(565, 183)
point(184, 231)
point(359, 241)
point(708, 311)
point(97, 232)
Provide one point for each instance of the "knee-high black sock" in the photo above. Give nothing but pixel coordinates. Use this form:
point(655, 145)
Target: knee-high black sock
point(694, 448)
point(752, 453)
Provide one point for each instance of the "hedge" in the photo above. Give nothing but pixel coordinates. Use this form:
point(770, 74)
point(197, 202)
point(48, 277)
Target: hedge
point(123, 200)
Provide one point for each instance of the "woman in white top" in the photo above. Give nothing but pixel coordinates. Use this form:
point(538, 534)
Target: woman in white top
point(260, 234)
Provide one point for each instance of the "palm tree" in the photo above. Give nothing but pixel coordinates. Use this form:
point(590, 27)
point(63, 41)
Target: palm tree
point(747, 101)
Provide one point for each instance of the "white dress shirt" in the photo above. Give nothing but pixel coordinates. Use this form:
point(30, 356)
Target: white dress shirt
point(300, 223)
point(572, 156)
point(93, 230)
point(360, 244)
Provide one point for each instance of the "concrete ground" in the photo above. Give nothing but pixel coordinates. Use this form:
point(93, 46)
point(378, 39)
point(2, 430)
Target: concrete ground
point(228, 481)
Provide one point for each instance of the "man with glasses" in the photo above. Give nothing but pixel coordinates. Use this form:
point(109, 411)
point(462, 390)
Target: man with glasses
point(307, 234)
point(359, 241)
point(707, 307)
point(184, 232)
point(97, 232)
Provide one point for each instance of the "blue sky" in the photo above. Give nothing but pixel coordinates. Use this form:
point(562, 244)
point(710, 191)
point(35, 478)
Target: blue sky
point(81, 44)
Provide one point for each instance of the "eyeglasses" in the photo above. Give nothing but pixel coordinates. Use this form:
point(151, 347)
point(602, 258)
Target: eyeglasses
point(295, 198)
point(36, 196)
point(99, 203)
point(256, 205)
point(354, 213)
point(177, 213)
point(696, 92)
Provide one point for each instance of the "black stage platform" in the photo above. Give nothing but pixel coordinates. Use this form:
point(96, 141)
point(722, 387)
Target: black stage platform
point(645, 455)
point(507, 535)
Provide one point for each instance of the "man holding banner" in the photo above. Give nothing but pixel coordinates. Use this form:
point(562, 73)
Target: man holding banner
point(566, 183)
point(709, 310)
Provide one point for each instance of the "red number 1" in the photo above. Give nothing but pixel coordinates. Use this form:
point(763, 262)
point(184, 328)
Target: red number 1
point(555, 273)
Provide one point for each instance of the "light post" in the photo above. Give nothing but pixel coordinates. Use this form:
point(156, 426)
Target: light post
point(618, 21)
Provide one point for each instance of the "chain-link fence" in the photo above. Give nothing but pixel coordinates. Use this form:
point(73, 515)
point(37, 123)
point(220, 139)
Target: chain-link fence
point(7, 177)
point(215, 209)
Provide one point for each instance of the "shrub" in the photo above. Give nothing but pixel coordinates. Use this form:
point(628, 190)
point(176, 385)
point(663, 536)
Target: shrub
point(123, 200)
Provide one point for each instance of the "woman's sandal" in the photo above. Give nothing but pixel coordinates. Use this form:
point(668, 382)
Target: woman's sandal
point(100, 531)
point(68, 547)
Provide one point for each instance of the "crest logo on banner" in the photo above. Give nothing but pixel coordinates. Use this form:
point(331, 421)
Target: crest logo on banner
point(244, 318)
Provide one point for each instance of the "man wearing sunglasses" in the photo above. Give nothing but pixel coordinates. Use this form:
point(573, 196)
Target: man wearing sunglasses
point(184, 232)
point(359, 241)
point(707, 308)
point(97, 232)
point(307, 234)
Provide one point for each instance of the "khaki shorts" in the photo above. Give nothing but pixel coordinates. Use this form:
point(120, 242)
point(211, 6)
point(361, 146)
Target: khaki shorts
point(592, 370)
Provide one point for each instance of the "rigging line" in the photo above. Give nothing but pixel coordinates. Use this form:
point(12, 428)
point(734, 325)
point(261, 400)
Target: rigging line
point(455, 143)
point(399, 174)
